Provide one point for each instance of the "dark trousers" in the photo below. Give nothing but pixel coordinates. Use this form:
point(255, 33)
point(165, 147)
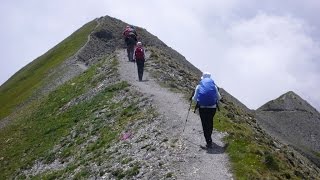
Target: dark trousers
point(140, 66)
point(206, 116)
point(130, 50)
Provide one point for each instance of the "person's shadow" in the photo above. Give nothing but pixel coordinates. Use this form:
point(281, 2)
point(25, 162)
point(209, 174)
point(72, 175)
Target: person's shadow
point(216, 149)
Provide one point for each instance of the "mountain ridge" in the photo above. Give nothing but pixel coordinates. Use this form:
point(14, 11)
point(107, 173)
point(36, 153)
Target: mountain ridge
point(294, 121)
point(72, 129)
point(288, 101)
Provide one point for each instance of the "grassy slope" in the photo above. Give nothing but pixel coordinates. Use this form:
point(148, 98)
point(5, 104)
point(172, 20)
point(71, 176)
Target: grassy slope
point(30, 137)
point(247, 157)
point(36, 129)
point(20, 86)
point(252, 155)
point(34, 136)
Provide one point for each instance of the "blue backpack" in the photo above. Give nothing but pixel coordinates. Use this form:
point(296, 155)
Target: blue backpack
point(207, 93)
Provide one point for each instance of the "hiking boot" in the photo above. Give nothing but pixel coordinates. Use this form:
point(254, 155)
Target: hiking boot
point(209, 145)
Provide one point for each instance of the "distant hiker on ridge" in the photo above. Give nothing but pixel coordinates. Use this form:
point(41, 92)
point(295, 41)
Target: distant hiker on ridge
point(139, 57)
point(130, 38)
point(207, 96)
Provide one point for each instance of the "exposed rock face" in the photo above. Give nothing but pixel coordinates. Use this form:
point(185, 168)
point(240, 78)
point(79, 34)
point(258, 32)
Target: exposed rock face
point(294, 121)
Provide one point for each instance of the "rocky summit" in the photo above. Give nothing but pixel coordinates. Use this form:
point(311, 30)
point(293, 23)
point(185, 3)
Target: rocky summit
point(294, 121)
point(289, 101)
point(79, 112)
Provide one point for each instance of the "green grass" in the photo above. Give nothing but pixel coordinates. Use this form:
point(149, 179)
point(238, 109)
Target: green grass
point(38, 133)
point(317, 154)
point(250, 157)
point(83, 174)
point(20, 86)
point(169, 175)
point(118, 173)
point(132, 171)
point(31, 137)
point(126, 160)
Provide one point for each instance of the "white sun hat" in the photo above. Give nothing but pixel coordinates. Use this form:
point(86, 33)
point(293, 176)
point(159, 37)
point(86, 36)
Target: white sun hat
point(206, 75)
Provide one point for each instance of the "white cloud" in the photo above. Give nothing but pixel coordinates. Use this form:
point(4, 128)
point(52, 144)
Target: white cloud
point(268, 55)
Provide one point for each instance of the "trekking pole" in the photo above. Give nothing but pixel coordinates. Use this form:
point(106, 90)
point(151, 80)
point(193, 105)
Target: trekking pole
point(187, 116)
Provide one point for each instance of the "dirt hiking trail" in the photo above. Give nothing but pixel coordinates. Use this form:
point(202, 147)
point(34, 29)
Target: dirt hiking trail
point(196, 163)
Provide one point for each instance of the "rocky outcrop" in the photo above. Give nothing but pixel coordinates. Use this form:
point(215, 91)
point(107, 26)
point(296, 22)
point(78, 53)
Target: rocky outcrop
point(294, 121)
point(289, 102)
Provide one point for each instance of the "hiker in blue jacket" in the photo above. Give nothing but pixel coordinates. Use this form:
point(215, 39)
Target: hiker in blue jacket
point(207, 97)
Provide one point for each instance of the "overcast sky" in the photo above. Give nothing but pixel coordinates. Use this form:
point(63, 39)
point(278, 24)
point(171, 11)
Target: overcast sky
point(255, 50)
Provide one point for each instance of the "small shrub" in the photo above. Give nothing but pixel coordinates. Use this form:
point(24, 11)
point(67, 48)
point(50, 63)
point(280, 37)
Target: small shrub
point(169, 175)
point(126, 160)
point(118, 173)
point(271, 162)
point(49, 158)
point(133, 171)
point(82, 174)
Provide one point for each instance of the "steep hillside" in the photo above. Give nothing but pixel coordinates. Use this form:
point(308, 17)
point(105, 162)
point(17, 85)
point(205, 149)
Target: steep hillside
point(26, 81)
point(295, 121)
point(90, 119)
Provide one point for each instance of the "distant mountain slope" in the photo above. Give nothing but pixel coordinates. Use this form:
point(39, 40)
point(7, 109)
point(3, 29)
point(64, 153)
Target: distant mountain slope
point(289, 102)
point(294, 121)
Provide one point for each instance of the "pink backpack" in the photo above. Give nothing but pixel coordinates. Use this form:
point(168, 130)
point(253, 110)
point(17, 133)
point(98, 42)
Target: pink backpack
point(139, 53)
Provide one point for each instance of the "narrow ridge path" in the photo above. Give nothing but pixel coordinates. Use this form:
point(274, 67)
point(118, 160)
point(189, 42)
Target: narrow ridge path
point(195, 163)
